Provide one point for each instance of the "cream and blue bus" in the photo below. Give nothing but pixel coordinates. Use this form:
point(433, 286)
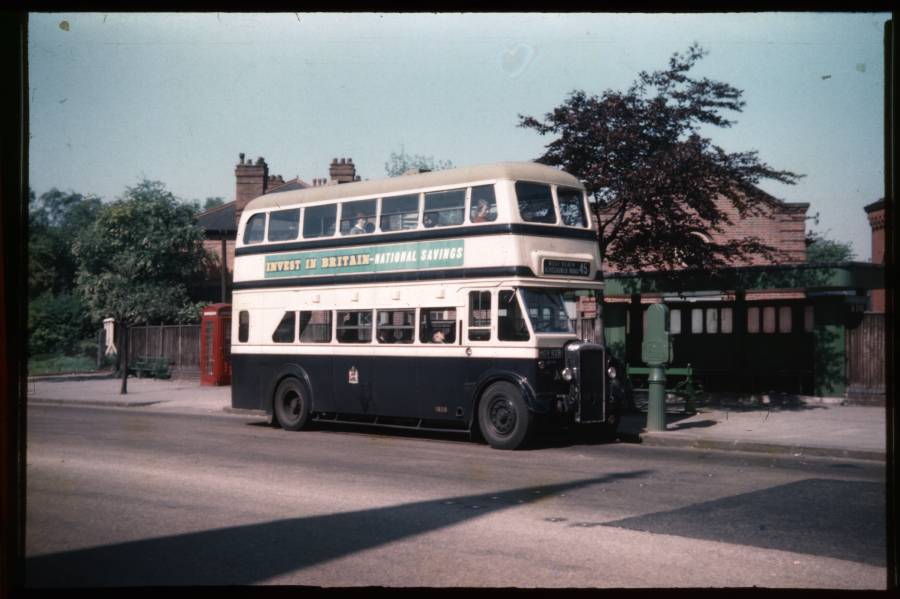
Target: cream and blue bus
point(435, 301)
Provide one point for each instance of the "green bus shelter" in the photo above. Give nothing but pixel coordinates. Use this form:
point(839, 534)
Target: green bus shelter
point(755, 329)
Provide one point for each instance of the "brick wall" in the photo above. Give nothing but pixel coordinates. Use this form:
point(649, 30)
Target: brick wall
point(875, 212)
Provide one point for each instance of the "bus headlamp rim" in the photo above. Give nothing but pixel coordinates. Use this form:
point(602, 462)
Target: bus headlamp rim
point(567, 374)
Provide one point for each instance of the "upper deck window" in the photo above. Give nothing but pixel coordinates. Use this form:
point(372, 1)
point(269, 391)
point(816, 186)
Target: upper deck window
point(535, 202)
point(255, 229)
point(571, 207)
point(284, 225)
point(358, 218)
point(484, 204)
point(400, 213)
point(444, 208)
point(319, 221)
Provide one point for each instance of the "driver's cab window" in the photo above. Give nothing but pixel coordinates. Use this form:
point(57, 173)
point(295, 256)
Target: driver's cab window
point(511, 324)
point(479, 316)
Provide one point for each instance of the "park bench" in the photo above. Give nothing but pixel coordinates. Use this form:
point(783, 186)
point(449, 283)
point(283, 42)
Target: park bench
point(684, 384)
point(153, 366)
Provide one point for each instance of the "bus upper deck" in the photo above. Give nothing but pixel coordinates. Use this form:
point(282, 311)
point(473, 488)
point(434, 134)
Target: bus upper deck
point(512, 219)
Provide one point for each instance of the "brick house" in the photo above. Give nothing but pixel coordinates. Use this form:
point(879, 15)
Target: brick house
point(252, 179)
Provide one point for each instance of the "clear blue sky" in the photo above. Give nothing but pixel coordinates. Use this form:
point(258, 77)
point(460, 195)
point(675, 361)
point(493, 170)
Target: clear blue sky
point(175, 97)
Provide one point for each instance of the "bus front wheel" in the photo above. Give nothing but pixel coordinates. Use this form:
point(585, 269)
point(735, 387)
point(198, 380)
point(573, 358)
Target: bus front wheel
point(291, 405)
point(503, 417)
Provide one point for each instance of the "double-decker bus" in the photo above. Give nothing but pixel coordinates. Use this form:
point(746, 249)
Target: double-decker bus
point(439, 300)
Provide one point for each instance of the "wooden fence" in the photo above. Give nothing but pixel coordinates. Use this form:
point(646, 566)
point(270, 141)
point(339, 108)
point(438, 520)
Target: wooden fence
point(865, 359)
point(180, 344)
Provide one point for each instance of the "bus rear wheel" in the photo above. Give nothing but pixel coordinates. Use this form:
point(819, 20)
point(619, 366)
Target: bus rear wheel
point(291, 405)
point(503, 417)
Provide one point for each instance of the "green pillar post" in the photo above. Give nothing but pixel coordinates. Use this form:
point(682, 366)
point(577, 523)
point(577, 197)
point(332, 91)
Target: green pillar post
point(656, 352)
point(830, 350)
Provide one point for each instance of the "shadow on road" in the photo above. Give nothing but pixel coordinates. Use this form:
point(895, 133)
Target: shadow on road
point(830, 518)
point(242, 555)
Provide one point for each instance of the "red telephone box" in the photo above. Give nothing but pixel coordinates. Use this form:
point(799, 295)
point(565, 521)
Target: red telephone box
point(215, 345)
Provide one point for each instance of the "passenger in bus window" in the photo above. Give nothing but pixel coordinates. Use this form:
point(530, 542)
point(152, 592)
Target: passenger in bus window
point(438, 337)
point(480, 213)
point(428, 221)
point(360, 227)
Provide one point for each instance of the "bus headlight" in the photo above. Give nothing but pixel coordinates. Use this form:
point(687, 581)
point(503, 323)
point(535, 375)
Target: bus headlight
point(567, 374)
point(611, 372)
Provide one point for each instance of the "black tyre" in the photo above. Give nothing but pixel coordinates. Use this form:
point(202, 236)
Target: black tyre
point(291, 405)
point(503, 417)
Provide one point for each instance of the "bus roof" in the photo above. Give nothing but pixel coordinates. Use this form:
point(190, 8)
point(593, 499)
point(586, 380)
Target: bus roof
point(520, 171)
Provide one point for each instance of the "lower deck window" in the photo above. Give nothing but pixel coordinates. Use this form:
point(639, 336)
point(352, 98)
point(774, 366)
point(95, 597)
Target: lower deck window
point(354, 327)
point(285, 332)
point(396, 326)
point(315, 326)
point(243, 326)
point(438, 325)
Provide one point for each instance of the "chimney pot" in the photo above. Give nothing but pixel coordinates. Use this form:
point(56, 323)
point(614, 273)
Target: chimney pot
point(242, 157)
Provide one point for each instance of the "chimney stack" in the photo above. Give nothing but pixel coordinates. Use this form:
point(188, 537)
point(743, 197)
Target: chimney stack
point(251, 181)
point(343, 171)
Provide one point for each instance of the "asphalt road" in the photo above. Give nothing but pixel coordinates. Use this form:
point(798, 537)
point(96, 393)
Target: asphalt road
point(135, 497)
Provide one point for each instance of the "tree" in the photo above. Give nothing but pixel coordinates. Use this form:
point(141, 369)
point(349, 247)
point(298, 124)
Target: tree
point(213, 202)
point(653, 178)
point(821, 250)
point(400, 163)
point(54, 220)
point(136, 259)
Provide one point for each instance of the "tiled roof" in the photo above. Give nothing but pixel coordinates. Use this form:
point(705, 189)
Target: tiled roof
point(218, 220)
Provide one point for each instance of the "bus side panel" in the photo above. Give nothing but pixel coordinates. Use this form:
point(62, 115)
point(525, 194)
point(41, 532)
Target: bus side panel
point(249, 383)
point(440, 384)
point(396, 392)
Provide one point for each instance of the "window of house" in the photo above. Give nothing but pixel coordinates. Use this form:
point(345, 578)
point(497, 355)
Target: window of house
point(510, 320)
point(284, 225)
point(285, 332)
point(675, 321)
point(483, 204)
point(784, 319)
point(358, 218)
point(396, 326)
point(354, 326)
point(479, 316)
point(444, 208)
point(319, 221)
point(808, 319)
point(400, 213)
point(726, 320)
point(696, 320)
point(753, 320)
point(437, 325)
point(255, 229)
point(571, 207)
point(712, 320)
point(535, 202)
point(315, 326)
point(768, 318)
point(243, 326)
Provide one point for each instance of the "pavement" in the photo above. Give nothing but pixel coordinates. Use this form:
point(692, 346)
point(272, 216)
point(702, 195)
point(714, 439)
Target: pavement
point(775, 425)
